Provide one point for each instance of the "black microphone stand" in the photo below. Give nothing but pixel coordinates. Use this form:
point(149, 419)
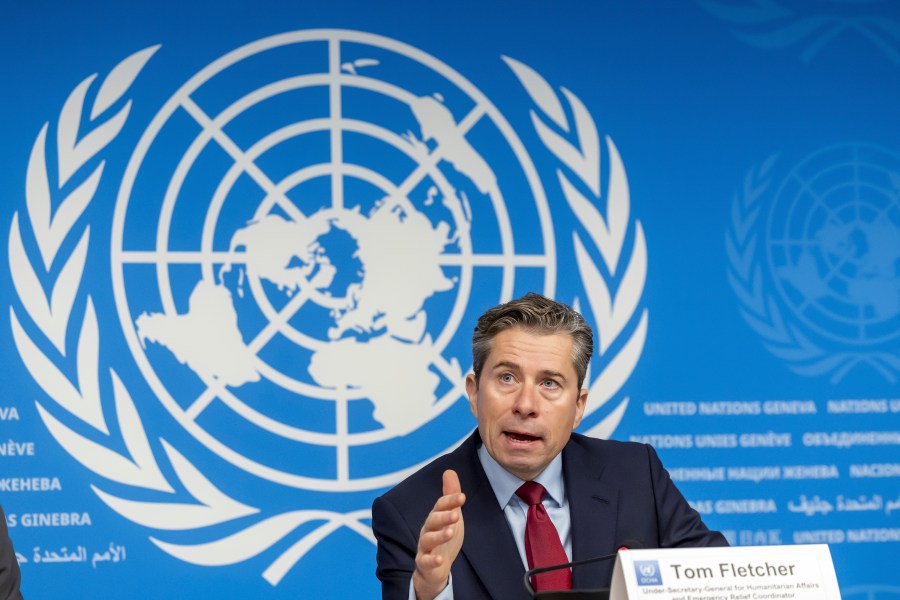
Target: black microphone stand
point(601, 594)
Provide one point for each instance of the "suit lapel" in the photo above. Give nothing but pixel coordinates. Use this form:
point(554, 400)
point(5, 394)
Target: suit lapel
point(488, 545)
point(593, 507)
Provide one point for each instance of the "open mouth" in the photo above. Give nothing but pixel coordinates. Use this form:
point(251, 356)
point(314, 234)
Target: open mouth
point(521, 438)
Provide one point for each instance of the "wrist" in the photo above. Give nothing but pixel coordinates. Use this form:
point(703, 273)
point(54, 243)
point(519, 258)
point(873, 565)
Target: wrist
point(426, 590)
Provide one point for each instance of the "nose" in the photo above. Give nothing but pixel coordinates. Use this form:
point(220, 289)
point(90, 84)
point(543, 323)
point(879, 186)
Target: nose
point(526, 404)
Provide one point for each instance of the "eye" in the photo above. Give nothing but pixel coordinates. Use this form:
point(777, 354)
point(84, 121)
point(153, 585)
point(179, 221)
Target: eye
point(506, 378)
point(550, 383)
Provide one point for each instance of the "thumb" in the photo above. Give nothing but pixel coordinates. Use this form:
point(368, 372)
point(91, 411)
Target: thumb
point(451, 483)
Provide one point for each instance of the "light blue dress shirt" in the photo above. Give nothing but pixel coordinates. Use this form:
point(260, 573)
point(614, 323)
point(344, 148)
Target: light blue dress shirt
point(515, 509)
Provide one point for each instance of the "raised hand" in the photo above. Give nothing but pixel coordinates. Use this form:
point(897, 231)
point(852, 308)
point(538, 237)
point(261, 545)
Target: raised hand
point(440, 540)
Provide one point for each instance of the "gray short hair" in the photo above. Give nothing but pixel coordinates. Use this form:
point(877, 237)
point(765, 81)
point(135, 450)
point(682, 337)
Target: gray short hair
point(538, 314)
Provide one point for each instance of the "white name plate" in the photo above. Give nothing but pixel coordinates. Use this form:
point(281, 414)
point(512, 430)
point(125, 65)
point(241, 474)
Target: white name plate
point(740, 573)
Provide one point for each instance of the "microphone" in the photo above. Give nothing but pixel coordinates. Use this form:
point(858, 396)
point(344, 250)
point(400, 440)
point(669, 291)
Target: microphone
point(629, 544)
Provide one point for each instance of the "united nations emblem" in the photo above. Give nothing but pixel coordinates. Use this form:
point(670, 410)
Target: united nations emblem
point(338, 243)
point(829, 245)
point(296, 239)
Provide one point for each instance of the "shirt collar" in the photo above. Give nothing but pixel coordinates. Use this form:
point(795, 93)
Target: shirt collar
point(505, 483)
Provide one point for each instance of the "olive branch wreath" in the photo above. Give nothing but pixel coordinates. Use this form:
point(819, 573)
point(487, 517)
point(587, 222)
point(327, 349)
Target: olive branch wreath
point(759, 309)
point(613, 313)
point(137, 467)
point(769, 24)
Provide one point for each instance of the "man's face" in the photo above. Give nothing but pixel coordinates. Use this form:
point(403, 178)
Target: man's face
point(527, 400)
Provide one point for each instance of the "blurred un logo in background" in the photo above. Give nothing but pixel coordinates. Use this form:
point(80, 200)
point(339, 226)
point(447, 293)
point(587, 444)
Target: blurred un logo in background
point(816, 262)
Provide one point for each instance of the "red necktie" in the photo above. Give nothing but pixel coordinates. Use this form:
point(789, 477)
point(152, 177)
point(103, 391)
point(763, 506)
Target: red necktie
point(542, 545)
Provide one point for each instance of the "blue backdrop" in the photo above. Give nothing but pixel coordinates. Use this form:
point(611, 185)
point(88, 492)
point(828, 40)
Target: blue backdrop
point(247, 242)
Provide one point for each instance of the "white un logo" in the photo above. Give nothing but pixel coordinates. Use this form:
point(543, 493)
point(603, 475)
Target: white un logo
point(298, 237)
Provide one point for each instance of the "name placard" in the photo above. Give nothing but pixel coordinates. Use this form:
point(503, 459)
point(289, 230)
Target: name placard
point(741, 573)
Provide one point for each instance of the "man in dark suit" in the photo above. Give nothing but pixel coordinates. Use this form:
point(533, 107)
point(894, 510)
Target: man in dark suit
point(9, 566)
point(530, 357)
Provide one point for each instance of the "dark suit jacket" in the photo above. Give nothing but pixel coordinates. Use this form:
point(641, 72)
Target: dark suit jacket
point(617, 491)
point(9, 566)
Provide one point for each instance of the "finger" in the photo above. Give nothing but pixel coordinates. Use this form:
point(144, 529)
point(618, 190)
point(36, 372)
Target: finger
point(451, 483)
point(426, 562)
point(440, 519)
point(448, 503)
point(431, 540)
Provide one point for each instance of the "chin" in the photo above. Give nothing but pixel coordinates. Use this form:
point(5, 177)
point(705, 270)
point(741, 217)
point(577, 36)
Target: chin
point(518, 469)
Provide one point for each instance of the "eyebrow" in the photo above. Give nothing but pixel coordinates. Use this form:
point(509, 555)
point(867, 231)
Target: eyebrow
point(554, 374)
point(506, 364)
point(516, 367)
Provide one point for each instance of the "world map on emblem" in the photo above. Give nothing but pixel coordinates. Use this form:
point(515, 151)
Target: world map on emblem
point(834, 243)
point(350, 202)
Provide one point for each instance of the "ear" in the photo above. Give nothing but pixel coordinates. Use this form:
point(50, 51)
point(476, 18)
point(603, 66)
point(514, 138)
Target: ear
point(580, 403)
point(472, 393)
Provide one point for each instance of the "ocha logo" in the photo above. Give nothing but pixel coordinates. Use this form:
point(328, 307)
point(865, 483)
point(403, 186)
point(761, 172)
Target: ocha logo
point(297, 238)
point(647, 572)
